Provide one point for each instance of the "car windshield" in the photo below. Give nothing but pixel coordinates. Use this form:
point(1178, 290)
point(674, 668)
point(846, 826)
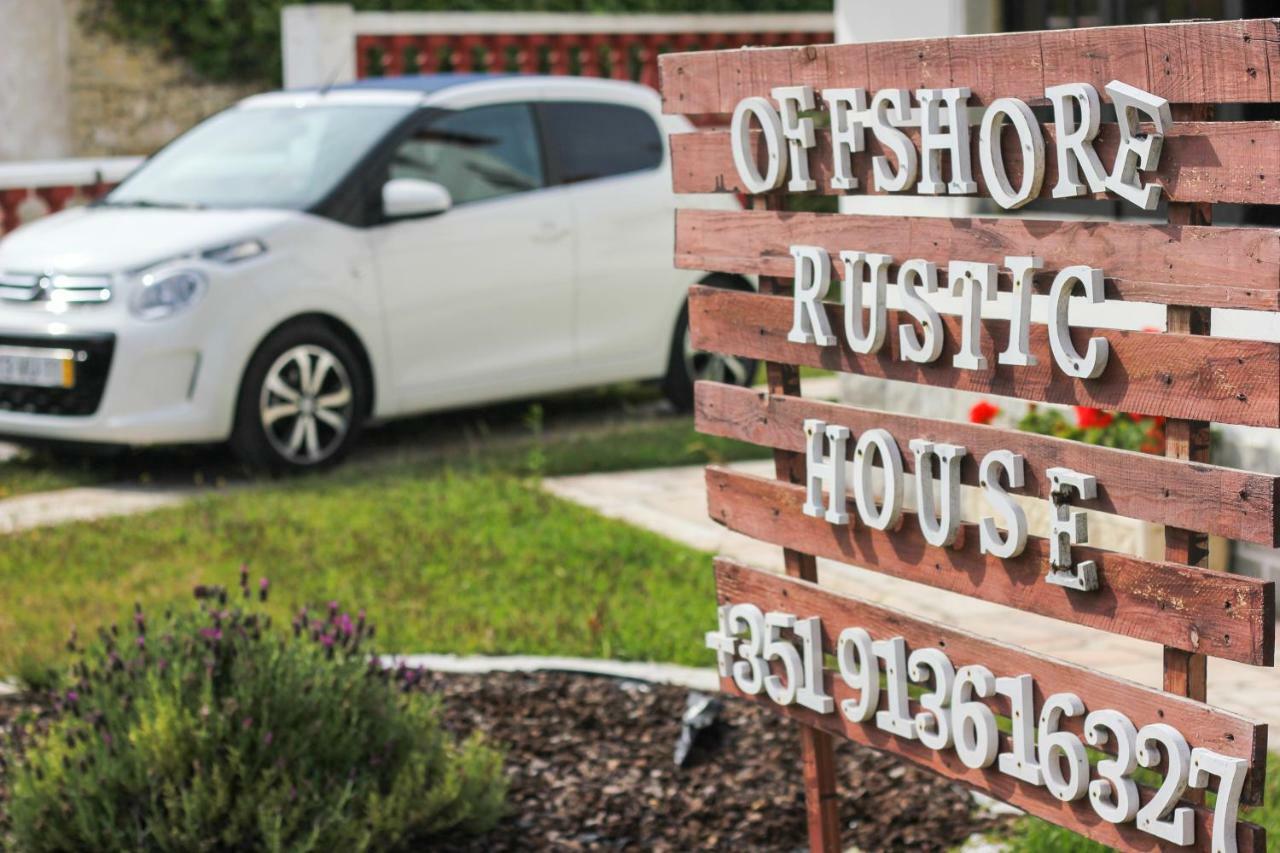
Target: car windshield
point(280, 157)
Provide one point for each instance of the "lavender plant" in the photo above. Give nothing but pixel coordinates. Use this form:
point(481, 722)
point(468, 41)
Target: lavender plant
point(207, 730)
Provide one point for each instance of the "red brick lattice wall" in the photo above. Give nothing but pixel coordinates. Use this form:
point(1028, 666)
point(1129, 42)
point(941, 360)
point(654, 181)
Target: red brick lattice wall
point(51, 198)
point(619, 56)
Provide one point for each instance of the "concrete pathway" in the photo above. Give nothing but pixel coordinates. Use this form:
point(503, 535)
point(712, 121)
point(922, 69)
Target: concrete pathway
point(672, 501)
point(88, 503)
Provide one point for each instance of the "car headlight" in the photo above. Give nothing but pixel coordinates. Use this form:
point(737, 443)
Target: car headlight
point(233, 253)
point(164, 294)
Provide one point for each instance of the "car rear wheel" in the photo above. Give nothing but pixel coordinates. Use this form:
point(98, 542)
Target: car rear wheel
point(687, 365)
point(301, 401)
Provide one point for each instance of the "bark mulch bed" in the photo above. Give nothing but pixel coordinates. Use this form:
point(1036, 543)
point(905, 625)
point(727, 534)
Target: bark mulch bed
point(590, 765)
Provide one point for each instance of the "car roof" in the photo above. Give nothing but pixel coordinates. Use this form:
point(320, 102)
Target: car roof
point(458, 89)
point(426, 83)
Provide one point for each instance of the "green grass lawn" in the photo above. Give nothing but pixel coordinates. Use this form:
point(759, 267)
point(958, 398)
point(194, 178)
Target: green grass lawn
point(463, 554)
point(456, 550)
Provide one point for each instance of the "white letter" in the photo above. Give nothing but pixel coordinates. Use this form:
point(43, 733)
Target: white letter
point(1018, 351)
point(911, 347)
point(820, 469)
point(1075, 141)
point(989, 541)
point(1137, 150)
point(1090, 365)
point(938, 529)
point(1070, 526)
point(980, 281)
point(813, 279)
point(888, 135)
point(934, 142)
point(870, 339)
point(864, 490)
point(744, 155)
point(848, 135)
point(991, 155)
point(792, 100)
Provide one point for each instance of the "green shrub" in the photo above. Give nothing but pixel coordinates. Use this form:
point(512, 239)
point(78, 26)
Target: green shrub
point(208, 730)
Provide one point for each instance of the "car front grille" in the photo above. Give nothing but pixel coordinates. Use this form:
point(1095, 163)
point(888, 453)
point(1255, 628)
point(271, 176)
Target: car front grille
point(93, 363)
point(39, 287)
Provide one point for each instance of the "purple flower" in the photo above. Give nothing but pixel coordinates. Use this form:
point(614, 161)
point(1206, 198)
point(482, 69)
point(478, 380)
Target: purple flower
point(267, 738)
point(326, 640)
point(211, 633)
point(72, 697)
point(247, 723)
point(264, 586)
point(344, 625)
point(142, 642)
point(106, 738)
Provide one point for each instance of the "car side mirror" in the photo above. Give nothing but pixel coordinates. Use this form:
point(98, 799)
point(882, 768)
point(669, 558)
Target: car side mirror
point(405, 198)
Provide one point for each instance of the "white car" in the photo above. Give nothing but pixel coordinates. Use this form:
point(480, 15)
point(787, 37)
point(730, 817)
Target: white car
point(308, 261)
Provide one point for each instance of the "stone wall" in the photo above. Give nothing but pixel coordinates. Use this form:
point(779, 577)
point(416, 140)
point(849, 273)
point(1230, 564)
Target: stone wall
point(127, 99)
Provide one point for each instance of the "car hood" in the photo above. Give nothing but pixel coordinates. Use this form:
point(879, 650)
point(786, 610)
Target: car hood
point(108, 240)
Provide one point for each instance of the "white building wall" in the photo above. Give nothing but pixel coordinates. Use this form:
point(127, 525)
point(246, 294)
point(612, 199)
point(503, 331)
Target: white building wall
point(34, 79)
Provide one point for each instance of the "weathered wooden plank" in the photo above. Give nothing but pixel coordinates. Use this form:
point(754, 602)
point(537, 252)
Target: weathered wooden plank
point(1201, 724)
point(1177, 376)
point(1186, 673)
point(1217, 62)
point(1219, 267)
point(1232, 59)
point(1229, 161)
point(1223, 501)
point(1189, 608)
point(817, 751)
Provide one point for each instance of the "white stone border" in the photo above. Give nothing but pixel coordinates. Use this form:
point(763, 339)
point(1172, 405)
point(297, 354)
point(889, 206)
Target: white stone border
point(73, 172)
point(693, 678)
point(430, 23)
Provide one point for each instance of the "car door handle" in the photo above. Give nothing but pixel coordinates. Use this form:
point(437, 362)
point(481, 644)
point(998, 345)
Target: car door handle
point(550, 232)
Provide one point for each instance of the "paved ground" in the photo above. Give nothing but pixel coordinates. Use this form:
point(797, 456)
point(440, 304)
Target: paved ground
point(671, 501)
point(88, 503)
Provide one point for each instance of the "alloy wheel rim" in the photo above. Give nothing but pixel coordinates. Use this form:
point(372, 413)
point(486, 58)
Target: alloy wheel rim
point(306, 405)
point(712, 366)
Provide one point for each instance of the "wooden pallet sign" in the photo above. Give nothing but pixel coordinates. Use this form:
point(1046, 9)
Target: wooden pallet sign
point(1123, 764)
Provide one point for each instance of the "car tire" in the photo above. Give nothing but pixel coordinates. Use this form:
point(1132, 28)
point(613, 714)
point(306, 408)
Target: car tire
point(685, 365)
point(302, 401)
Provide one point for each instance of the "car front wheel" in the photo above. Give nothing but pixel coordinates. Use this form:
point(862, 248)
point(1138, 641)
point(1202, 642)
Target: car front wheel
point(686, 365)
point(301, 400)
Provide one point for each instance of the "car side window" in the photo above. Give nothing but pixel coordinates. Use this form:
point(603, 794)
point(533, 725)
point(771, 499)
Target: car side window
point(476, 154)
point(591, 140)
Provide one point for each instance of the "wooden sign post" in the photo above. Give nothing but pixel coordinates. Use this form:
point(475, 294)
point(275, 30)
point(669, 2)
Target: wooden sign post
point(1123, 764)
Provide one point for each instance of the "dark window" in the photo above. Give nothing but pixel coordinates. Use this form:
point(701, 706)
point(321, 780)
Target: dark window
point(594, 140)
point(475, 154)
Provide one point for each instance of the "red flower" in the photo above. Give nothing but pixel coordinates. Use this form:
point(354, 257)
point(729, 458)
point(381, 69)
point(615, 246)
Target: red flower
point(983, 412)
point(1088, 417)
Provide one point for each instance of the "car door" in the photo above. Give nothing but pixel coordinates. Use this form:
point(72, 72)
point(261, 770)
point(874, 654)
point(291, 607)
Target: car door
point(478, 300)
point(610, 157)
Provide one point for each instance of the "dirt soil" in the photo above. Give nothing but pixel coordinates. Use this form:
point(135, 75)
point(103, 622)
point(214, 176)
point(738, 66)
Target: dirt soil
point(590, 765)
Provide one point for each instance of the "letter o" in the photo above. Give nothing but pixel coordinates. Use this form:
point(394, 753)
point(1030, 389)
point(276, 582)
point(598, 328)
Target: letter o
point(887, 514)
point(991, 156)
point(740, 142)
